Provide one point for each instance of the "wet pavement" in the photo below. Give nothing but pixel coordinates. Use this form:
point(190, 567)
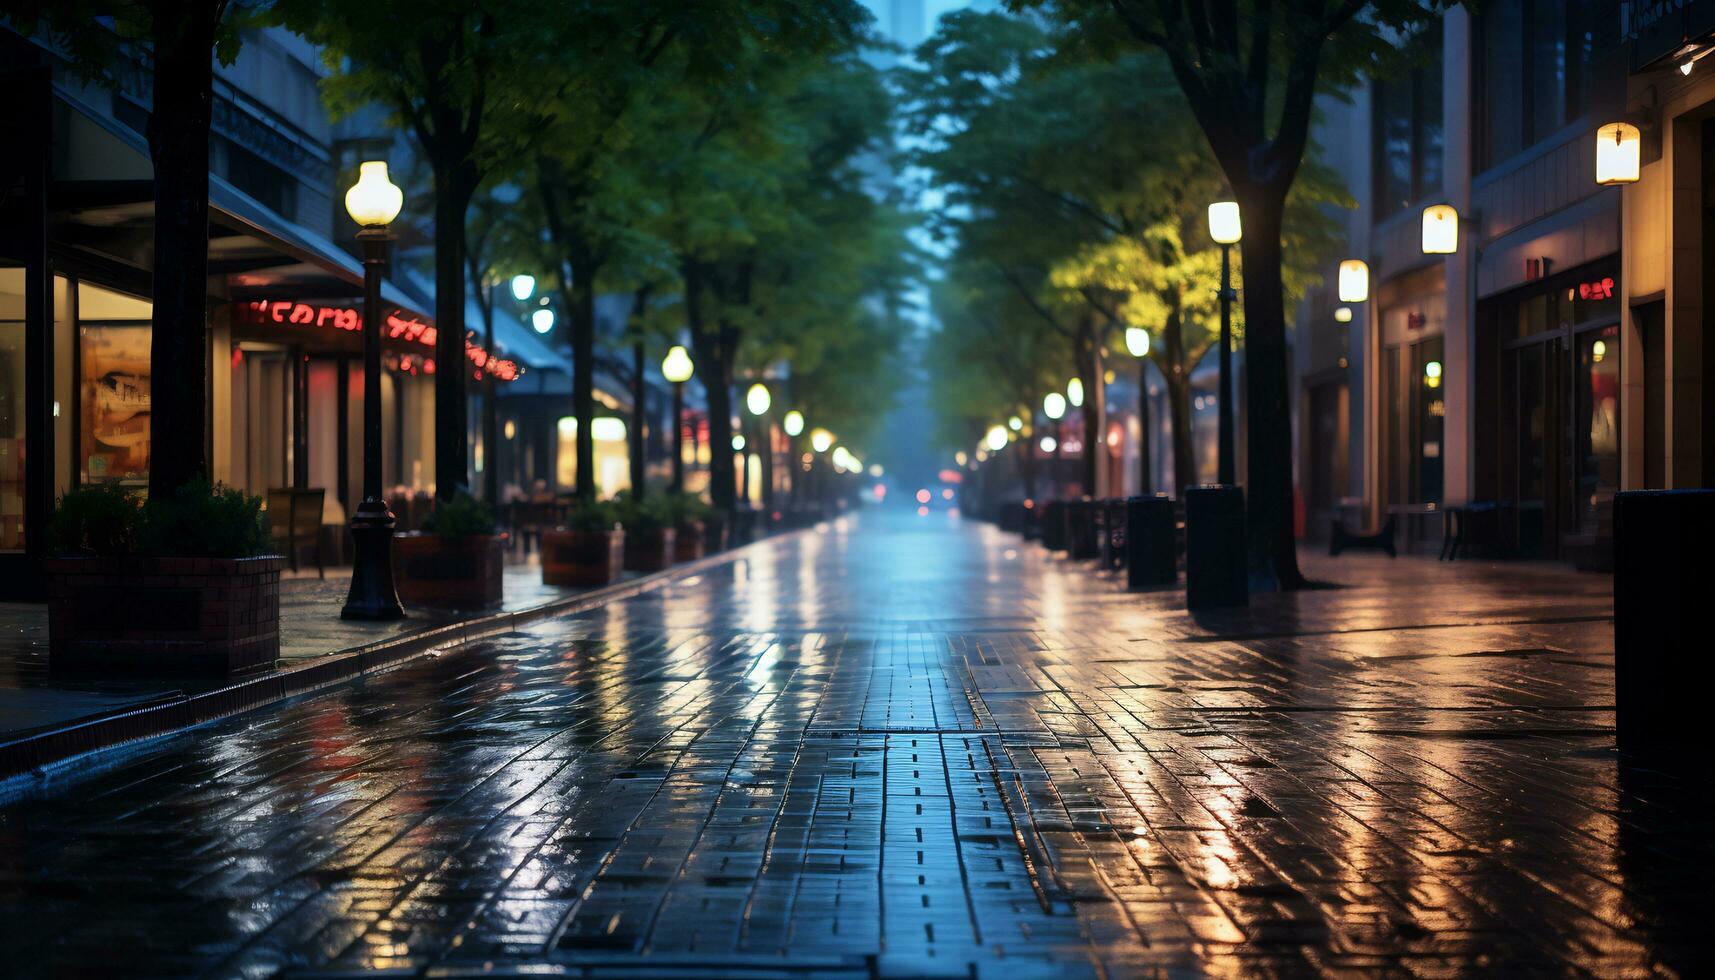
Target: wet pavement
point(910, 747)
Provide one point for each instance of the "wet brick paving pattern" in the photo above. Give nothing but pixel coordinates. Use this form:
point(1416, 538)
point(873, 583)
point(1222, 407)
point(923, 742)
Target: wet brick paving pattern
point(908, 747)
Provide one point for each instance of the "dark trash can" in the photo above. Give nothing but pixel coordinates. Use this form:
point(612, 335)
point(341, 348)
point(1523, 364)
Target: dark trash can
point(1053, 526)
point(1081, 530)
point(1152, 549)
point(1664, 577)
point(1215, 570)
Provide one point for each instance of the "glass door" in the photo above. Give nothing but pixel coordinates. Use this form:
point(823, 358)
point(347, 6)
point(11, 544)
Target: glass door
point(1534, 446)
point(12, 401)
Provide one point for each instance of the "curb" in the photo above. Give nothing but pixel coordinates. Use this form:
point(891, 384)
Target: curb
point(38, 751)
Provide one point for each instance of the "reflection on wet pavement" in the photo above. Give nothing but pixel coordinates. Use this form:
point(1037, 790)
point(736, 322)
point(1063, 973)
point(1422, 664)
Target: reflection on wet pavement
point(911, 747)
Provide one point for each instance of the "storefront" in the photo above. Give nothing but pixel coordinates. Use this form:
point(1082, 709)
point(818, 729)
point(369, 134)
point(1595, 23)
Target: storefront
point(1550, 354)
point(1414, 373)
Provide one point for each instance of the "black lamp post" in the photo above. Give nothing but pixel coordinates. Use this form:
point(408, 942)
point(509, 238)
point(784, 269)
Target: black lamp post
point(677, 368)
point(1225, 230)
point(1137, 345)
point(373, 203)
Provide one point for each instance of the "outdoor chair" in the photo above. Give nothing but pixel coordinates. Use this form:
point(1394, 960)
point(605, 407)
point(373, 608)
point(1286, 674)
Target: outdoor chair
point(295, 522)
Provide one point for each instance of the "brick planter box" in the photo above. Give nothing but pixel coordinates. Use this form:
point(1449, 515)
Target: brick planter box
point(688, 542)
point(163, 615)
point(649, 551)
point(582, 557)
point(450, 572)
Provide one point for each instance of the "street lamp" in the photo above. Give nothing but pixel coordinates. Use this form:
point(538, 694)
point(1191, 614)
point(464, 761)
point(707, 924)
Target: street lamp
point(1354, 281)
point(996, 440)
point(523, 287)
point(373, 202)
point(542, 320)
point(1440, 229)
point(793, 423)
point(677, 368)
point(1054, 405)
point(1015, 423)
point(1075, 392)
point(1137, 345)
point(1226, 230)
point(1619, 149)
point(821, 440)
point(757, 399)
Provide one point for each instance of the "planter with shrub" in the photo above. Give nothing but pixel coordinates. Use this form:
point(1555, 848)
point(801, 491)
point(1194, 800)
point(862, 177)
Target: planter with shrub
point(587, 550)
point(689, 516)
point(181, 584)
point(456, 560)
point(649, 533)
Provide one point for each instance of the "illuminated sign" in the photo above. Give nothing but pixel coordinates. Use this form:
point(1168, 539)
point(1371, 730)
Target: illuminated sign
point(1602, 288)
point(396, 326)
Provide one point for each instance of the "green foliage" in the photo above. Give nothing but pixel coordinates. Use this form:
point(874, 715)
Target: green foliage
point(683, 508)
point(99, 519)
point(642, 516)
point(461, 516)
point(592, 515)
point(203, 520)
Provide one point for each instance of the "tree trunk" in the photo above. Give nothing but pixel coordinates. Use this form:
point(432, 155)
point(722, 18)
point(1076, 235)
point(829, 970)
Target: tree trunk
point(1269, 512)
point(639, 396)
point(1145, 473)
point(455, 182)
point(178, 148)
point(713, 371)
point(583, 267)
point(1176, 374)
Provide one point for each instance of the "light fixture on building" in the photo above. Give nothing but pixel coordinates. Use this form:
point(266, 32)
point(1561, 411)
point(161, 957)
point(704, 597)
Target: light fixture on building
point(793, 423)
point(738, 444)
point(1440, 229)
point(1015, 423)
point(1053, 404)
point(757, 399)
point(996, 440)
point(960, 459)
point(1343, 314)
point(373, 202)
point(1354, 281)
point(542, 320)
point(511, 429)
point(1075, 392)
point(1598, 350)
point(605, 429)
point(523, 287)
point(821, 440)
point(1432, 374)
point(1137, 341)
point(1619, 148)
point(1224, 225)
point(1048, 445)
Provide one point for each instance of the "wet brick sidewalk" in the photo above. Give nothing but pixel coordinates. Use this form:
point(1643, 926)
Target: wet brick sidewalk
point(910, 748)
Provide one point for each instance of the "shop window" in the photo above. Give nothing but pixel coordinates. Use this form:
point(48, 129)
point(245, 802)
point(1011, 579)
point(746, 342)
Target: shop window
point(1540, 60)
point(11, 406)
point(1408, 130)
point(262, 180)
point(1597, 427)
point(114, 379)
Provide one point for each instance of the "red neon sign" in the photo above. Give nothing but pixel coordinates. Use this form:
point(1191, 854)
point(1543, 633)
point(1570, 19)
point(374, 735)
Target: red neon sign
point(396, 326)
point(1602, 288)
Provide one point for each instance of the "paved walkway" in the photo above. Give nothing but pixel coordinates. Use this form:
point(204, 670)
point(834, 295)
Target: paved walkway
point(910, 747)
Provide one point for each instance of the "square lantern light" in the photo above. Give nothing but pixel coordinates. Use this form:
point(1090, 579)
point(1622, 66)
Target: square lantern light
point(1619, 148)
point(1354, 281)
point(1440, 230)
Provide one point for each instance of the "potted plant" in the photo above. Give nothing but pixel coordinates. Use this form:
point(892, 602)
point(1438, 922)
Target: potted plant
point(181, 584)
point(588, 549)
point(649, 533)
point(456, 560)
point(689, 515)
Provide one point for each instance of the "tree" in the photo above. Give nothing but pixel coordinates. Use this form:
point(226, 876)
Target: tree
point(1250, 71)
point(460, 79)
point(184, 37)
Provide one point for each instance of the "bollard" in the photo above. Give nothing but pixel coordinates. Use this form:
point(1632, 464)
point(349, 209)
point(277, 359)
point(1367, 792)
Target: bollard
point(1152, 551)
point(1663, 579)
point(1081, 530)
point(1053, 527)
point(1215, 570)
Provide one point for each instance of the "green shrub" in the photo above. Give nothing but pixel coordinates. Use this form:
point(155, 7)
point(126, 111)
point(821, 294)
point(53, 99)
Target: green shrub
point(203, 520)
point(592, 515)
point(643, 516)
point(683, 508)
point(461, 517)
point(99, 519)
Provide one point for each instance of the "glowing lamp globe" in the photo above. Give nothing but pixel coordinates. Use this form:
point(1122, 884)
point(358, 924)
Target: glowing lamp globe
point(607, 429)
point(373, 202)
point(676, 366)
point(1354, 281)
point(821, 440)
point(1343, 314)
point(996, 440)
point(542, 320)
point(1224, 225)
point(1015, 423)
point(1440, 230)
point(1053, 404)
point(1048, 445)
point(1075, 392)
point(738, 444)
point(523, 287)
point(1618, 154)
point(793, 423)
point(757, 399)
point(1137, 341)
